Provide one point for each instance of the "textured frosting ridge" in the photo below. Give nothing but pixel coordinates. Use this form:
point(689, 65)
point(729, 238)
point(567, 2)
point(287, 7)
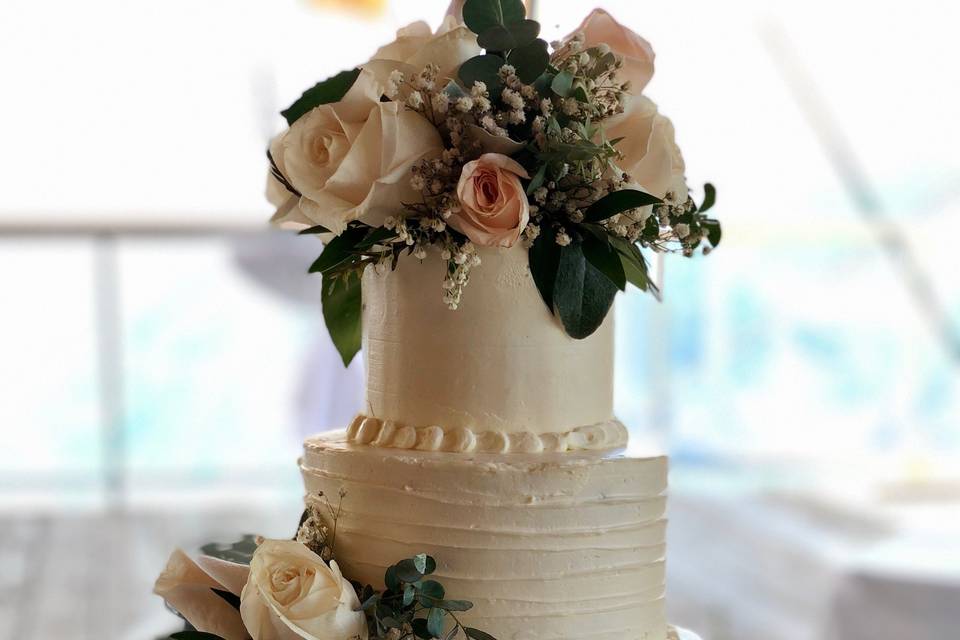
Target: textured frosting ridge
point(546, 546)
point(387, 433)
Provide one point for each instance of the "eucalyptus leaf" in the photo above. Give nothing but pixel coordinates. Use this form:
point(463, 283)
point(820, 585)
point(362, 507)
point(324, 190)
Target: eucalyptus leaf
point(341, 301)
point(330, 90)
point(606, 260)
point(480, 15)
point(455, 605)
point(435, 622)
point(582, 293)
point(709, 197)
point(240, 552)
point(391, 579)
point(562, 83)
point(409, 593)
point(420, 630)
point(618, 202)
point(544, 260)
point(407, 570)
point(370, 602)
point(485, 69)
point(430, 592)
point(476, 634)
point(530, 60)
point(497, 38)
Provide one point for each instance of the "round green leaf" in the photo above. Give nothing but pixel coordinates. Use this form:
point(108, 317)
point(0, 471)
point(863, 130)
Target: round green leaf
point(530, 60)
point(480, 15)
point(486, 69)
point(497, 38)
point(562, 83)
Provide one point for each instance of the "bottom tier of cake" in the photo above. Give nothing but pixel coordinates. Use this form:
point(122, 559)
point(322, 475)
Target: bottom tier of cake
point(546, 546)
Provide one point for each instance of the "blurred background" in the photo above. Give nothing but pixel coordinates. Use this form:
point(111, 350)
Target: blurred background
point(162, 353)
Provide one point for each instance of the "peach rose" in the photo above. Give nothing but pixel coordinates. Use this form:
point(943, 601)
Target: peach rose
point(649, 151)
point(187, 586)
point(350, 160)
point(600, 27)
point(493, 206)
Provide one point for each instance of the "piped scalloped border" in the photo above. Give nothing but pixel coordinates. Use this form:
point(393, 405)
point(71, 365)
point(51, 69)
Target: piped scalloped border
point(386, 433)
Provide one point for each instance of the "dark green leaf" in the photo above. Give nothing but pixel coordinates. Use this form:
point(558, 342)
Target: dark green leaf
point(476, 634)
point(582, 293)
point(240, 552)
point(231, 599)
point(409, 593)
point(429, 564)
point(618, 202)
point(375, 236)
point(480, 15)
point(330, 90)
point(485, 69)
point(507, 37)
point(634, 265)
point(435, 622)
point(339, 251)
point(407, 571)
point(420, 628)
point(537, 180)
point(391, 579)
point(455, 605)
point(530, 60)
point(452, 633)
point(605, 258)
point(497, 38)
point(709, 197)
point(195, 635)
point(370, 601)
point(544, 259)
point(313, 230)
point(341, 302)
point(562, 83)
point(430, 592)
point(712, 227)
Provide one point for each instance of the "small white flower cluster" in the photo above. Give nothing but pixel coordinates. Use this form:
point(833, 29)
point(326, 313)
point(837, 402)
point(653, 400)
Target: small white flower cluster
point(460, 260)
point(314, 533)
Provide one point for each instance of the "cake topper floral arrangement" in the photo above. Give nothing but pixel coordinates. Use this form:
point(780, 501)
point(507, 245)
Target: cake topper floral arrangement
point(259, 589)
point(482, 134)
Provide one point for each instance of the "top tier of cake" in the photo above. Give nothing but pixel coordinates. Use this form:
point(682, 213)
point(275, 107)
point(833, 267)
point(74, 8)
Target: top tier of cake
point(498, 374)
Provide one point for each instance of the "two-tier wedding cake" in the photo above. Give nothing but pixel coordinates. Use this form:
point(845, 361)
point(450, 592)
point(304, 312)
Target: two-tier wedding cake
point(482, 196)
point(488, 440)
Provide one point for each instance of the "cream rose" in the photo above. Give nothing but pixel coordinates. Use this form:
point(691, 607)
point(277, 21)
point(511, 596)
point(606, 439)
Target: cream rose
point(350, 160)
point(292, 594)
point(600, 27)
point(416, 46)
point(187, 586)
point(650, 154)
point(493, 206)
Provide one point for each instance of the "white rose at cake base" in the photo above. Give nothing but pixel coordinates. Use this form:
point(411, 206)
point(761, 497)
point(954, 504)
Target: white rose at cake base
point(292, 594)
point(481, 196)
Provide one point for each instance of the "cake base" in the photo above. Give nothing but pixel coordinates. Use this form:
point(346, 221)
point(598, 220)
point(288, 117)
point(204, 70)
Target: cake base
point(547, 547)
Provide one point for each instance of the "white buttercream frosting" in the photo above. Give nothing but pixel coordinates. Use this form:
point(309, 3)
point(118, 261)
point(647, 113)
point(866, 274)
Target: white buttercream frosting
point(387, 433)
point(500, 364)
point(546, 546)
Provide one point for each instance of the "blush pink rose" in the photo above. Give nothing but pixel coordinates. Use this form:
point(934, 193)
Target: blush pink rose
point(493, 206)
point(600, 27)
